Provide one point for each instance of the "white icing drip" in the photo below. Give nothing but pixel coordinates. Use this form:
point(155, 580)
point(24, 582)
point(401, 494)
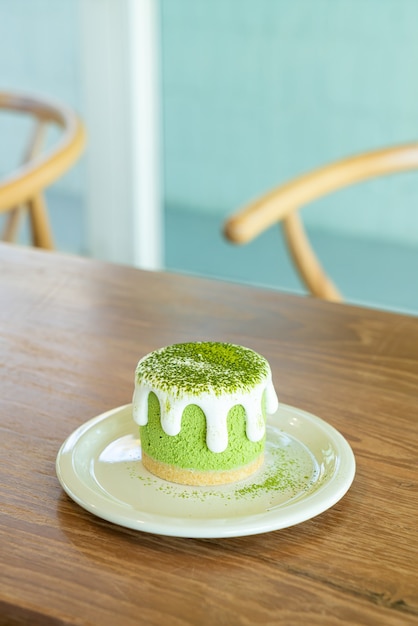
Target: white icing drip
point(272, 402)
point(215, 408)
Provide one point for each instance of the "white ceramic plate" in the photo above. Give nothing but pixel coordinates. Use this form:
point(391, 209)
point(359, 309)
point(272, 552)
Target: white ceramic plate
point(309, 466)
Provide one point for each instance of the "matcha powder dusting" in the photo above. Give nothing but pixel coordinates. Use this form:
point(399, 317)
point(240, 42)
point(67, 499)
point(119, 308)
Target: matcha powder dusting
point(203, 367)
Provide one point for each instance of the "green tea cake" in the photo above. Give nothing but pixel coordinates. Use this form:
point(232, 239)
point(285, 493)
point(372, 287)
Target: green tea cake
point(201, 409)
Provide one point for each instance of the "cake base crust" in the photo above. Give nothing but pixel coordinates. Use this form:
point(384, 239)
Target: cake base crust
point(196, 477)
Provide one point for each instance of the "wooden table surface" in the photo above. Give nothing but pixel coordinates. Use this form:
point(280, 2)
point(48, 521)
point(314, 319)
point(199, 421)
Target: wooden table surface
point(71, 333)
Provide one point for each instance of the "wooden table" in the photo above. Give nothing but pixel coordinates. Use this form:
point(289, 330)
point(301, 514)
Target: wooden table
point(71, 333)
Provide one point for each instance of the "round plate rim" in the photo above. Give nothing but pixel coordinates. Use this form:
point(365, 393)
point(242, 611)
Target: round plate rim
point(326, 496)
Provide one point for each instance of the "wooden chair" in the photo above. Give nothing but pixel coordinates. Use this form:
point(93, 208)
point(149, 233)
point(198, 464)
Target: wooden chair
point(282, 204)
point(22, 189)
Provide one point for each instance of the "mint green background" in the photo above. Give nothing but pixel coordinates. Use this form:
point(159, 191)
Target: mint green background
point(254, 92)
point(258, 91)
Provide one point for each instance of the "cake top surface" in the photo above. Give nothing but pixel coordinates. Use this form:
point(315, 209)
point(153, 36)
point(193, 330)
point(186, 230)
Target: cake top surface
point(202, 367)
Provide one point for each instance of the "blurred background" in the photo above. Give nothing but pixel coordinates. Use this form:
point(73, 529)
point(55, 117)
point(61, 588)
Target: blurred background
point(194, 107)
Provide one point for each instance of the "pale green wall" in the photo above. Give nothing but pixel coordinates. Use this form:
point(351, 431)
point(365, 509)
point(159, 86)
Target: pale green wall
point(257, 91)
point(254, 92)
point(39, 53)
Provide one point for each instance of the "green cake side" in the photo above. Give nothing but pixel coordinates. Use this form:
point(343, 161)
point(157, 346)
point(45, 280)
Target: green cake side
point(188, 449)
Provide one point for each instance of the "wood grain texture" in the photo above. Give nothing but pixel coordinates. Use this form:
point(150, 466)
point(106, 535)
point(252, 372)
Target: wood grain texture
point(71, 333)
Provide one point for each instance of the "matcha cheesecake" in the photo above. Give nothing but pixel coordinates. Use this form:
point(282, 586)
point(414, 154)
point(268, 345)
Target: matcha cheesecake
point(201, 409)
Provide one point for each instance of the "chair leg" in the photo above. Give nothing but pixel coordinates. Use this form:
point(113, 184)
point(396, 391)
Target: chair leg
point(306, 261)
point(39, 222)
point(11, 227)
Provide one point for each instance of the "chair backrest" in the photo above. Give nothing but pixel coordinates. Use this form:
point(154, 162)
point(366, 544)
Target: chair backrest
point(23, 188)
point(282, 204)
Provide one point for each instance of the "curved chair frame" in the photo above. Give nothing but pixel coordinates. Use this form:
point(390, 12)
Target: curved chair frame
point(282, 204)
point(24, 186)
